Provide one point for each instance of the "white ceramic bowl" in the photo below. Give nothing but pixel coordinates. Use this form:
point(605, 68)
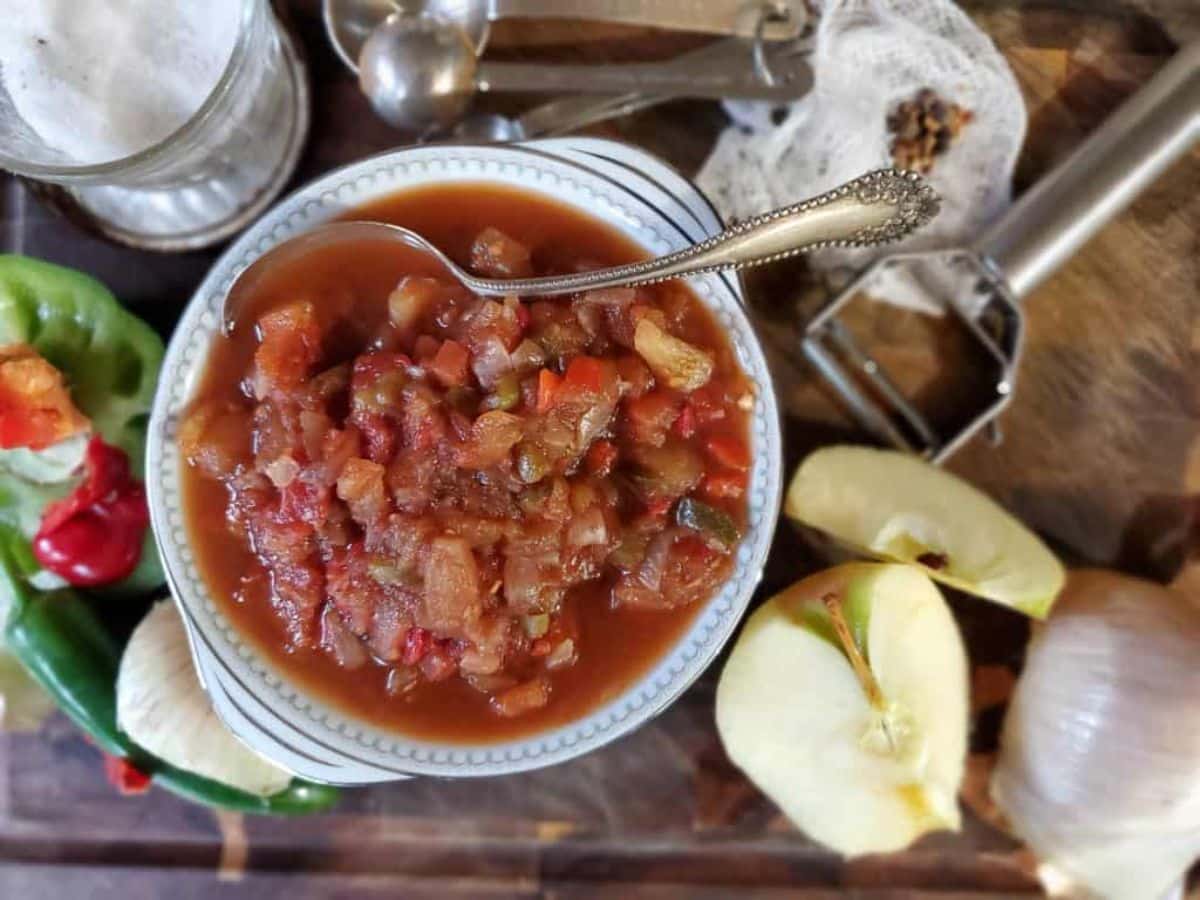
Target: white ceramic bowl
point(621, 185)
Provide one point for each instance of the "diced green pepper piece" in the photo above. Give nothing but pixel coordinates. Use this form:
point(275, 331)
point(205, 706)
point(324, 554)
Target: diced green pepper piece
point(713, 524)
point(507, 394)
point(532, 465)
point(537, 625)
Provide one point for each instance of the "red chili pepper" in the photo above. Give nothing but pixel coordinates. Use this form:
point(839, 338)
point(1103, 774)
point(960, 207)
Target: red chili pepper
point(125, 776)
point(94, 535)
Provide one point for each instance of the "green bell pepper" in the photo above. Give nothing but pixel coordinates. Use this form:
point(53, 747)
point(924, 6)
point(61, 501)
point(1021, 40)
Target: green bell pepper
point(110, 359)
point(59, 639)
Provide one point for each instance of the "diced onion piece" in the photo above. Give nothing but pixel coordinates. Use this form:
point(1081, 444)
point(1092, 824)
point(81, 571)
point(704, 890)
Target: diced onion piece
point(562, 655)
point(491, 361)
point(528, 356)
point(409, 301)
point(588, 529)
point(522, 699)
point(678, 363)
point(536, 625)
point(339, 640)
point(283, 471)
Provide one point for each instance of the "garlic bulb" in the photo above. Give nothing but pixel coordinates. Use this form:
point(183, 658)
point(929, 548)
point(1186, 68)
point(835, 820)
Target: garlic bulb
point(1099, 768)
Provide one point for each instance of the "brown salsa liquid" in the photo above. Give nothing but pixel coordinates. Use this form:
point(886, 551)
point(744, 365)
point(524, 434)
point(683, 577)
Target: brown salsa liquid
point(616, 646)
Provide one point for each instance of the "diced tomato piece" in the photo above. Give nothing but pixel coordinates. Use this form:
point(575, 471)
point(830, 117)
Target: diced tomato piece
point(425, 348)
point(658, 508)
point(548, 385)
point(541, 647)
point(417, 643)
point(380, 437)
point(35, 405)
point(650, 417)
point(708, 403)
point(450, 364)
point(496, 254)
point(585, 373)
point(724, 485)
point(523, 317)
point(601, 457)
point(729, 451)
point(302, 501)
point(290, 342)
point(685, 425)
point(127, 778)
point(635, 374)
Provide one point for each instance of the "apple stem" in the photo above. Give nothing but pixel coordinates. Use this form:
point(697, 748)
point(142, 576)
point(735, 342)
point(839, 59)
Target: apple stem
point(841, 627)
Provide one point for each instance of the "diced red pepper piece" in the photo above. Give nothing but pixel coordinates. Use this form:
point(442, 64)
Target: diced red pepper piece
point(425, 348)
point(601, 457)
point(657, 509)
point(301, 501)
point(541, 647)
point(651, 416)
point(450, 364)
point(685, 425)
point(417, 643)
point(708, 403)
point(729, 451)
point(585, 373)
point(548, 385)
point(125, 776)
point(724, 485)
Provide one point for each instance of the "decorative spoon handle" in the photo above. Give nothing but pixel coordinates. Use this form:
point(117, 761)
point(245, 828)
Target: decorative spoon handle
point(875, 208)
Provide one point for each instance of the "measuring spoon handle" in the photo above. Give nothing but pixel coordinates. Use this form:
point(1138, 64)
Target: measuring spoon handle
point(681, 77)
point(784, 19)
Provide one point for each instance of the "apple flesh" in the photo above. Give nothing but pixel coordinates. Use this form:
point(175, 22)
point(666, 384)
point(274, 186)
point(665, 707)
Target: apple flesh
point(898, 507)
point(845, 701)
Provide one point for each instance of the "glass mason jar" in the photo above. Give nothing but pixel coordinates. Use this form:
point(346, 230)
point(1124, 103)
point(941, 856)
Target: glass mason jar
point(209, 178)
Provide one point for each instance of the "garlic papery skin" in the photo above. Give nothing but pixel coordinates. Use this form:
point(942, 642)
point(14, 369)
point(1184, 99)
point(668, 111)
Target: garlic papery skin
point(1099, 767)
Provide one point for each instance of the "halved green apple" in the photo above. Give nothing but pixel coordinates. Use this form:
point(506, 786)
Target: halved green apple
point(898, 507)
point(845, 701)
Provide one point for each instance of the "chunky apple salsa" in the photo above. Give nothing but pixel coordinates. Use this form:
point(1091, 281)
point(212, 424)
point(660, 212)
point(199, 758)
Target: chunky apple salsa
point(431, 492)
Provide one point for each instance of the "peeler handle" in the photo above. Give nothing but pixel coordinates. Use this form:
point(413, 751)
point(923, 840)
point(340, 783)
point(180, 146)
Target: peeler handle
point(1151, 130)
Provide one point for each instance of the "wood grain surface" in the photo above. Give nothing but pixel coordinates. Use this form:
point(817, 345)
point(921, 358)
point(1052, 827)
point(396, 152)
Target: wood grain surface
point(1100, 454)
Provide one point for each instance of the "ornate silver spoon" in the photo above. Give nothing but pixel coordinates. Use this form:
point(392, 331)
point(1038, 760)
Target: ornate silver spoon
point(875, 208)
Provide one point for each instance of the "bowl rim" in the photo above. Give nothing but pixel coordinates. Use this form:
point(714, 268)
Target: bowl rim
point(349, 750)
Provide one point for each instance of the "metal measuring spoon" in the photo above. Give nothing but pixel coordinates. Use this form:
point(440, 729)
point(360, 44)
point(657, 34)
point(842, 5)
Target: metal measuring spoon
point(566, 114)
point(875, 208)
point(350, 22)
point(419, 72)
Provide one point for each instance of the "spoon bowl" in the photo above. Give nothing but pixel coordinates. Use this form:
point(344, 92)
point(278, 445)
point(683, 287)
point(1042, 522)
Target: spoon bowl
point(876, 208)
point(418, 71)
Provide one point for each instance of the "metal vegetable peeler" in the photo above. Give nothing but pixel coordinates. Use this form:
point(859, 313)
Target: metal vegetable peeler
point(981, 284)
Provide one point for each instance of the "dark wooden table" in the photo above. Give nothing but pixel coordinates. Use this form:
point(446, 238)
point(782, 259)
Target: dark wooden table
point(1100, 455)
